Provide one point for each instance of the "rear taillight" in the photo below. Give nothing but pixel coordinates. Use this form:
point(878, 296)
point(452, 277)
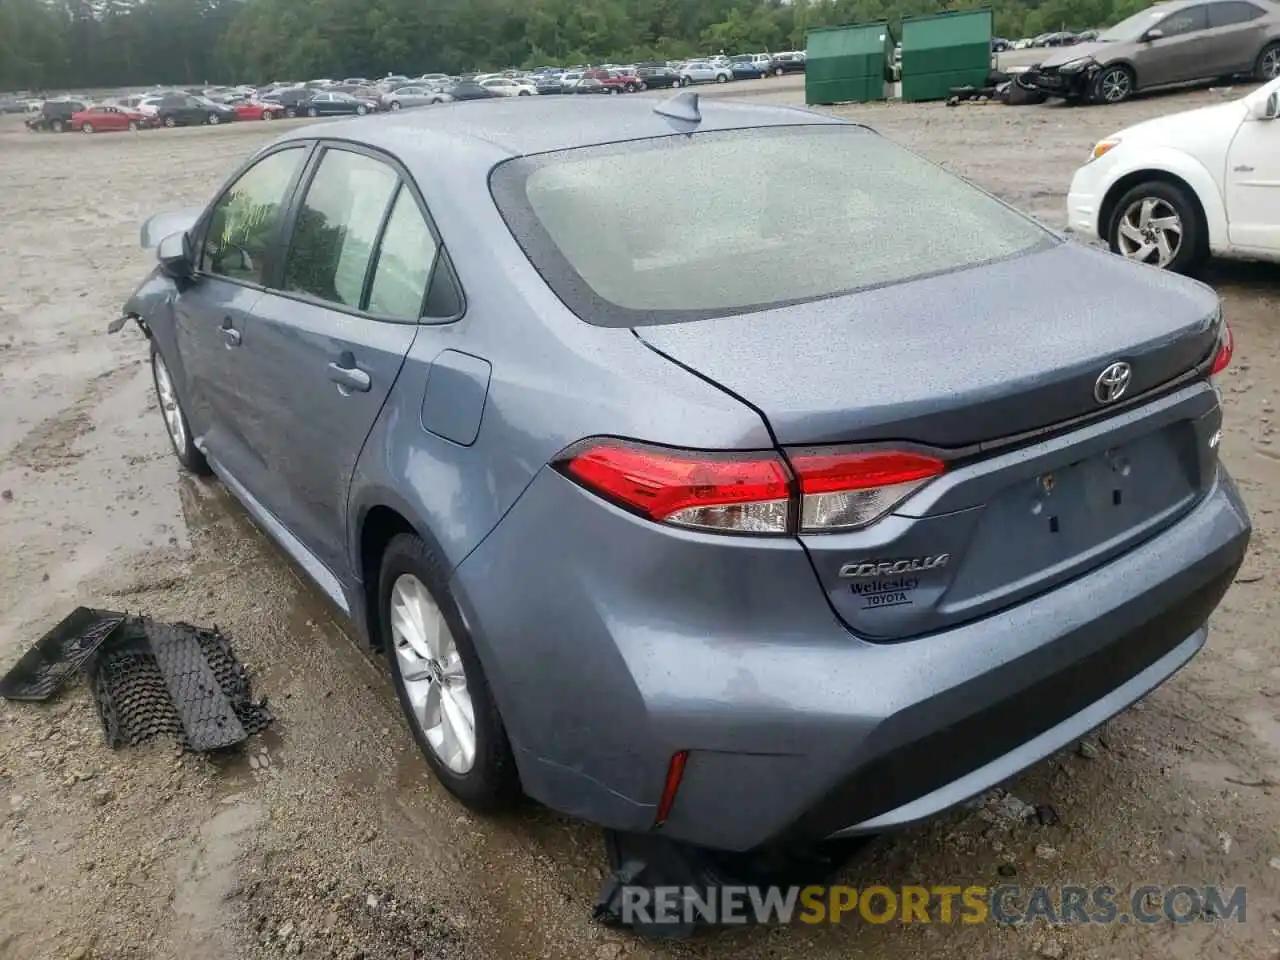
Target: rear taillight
point(844, 491)
point(751, 493)
point(1226, 347)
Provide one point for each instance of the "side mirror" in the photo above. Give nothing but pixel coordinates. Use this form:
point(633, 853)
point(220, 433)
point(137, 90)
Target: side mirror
point(174, 254)
point(1267, 109)
point(1155, 33)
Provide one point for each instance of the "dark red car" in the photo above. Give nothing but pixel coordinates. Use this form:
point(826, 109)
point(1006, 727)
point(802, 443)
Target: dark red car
point(107, 117)
point(614, 82)
point(256, 110)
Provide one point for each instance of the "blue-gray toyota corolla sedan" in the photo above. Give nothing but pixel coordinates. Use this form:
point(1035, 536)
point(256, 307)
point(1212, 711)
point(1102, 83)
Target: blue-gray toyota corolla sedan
point(720, 470)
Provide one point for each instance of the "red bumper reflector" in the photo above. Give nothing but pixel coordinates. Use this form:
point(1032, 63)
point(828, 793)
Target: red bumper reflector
point(675, 772)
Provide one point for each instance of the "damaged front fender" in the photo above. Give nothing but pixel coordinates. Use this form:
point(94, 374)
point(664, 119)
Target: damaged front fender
point(155, 292)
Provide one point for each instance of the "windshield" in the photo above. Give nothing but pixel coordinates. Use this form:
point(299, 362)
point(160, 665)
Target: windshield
point(1131, 28)
point(810, 212)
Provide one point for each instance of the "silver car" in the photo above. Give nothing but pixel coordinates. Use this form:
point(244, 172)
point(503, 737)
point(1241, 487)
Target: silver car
point(1176, 42)
point(409, 97)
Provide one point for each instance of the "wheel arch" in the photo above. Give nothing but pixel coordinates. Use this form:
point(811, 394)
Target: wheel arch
point(1181, 171)
point(376, 524)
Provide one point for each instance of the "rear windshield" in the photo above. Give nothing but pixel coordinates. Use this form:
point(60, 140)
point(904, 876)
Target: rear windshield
point(689, 227)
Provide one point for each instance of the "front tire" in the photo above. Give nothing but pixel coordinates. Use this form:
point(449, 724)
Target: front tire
point(213, 119)
point(291, 112)
point(175, 419)
point(721, 78)
point(133, 126)
point(395, 105)
point(312, 112)
point(1159, 223)
point(170, 122)
point(778, 71)
point(87, 128)
point(1268, 65)
point(56, 126)
point(361, 110)
point(1113, 85)
point(439, 680)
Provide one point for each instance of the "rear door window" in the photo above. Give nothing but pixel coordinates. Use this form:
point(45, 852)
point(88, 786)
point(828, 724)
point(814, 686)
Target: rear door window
point(1232, 12)
point(406, 255)
point(337, 226)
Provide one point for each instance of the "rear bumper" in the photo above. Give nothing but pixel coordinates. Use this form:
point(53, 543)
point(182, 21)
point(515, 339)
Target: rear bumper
point(612, 643)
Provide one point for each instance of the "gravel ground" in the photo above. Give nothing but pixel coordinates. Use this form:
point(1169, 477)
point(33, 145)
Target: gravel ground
point(328, 838)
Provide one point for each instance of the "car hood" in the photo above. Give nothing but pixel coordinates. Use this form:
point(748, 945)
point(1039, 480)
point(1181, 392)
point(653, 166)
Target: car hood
point(955, 359)
point(1099, 51)
point(1212, 124)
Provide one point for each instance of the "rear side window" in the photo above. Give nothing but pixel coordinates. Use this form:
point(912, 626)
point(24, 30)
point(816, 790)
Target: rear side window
point(405, 258)
point(1232, 12)
point(244, 220)
point(745, 220)
point(337, 226)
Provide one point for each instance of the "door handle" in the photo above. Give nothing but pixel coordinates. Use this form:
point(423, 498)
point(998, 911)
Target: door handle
point(230, 335)
point(345, 373)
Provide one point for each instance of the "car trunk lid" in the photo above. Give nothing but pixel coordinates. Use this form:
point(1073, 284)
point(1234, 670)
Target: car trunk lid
point(994, 369)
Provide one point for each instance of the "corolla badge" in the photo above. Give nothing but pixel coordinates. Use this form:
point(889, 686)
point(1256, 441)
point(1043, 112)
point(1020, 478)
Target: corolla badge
point(1112, 382)
point(889, 568)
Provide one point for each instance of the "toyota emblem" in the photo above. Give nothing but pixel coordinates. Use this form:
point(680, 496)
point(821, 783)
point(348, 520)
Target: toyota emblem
point(1112, 382)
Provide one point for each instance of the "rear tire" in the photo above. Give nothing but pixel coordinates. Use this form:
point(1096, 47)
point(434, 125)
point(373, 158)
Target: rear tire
point(312, 112)
point(491, 783)
point(175, 418)
point(778, 71)
point(291, 112)
point(1268, 65)
point(56, 126)
point(170, 122)
point(133, 126)
point(1193, 246)
point(213, 119)
point(721, 78)
point(361, 110)
point(268, 115)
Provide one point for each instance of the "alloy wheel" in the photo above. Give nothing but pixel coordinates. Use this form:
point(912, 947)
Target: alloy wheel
point(168, 397)
point(1271, 64)
point(433, 674)
point(1115, 85)
point(1150, 228)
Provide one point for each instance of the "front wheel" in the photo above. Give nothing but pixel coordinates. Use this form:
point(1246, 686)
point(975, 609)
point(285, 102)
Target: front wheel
point(361, 110)
point(170, 122)
point(268, 115)
point(395, 105)
point(1268, 65)
point(214, 119)
point(613, 91)
point(56, 126)
point(1159, 223)
point(175, 420)
point(722, 79)
point(87, 128)
point(1113, 85)
point(312, 112)
point(439, 680)
point(291, 112)
point(133, 126)
point(778, 71)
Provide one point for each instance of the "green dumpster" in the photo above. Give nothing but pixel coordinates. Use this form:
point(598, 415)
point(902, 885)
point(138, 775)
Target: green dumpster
point(943, 51)
point(849, 63)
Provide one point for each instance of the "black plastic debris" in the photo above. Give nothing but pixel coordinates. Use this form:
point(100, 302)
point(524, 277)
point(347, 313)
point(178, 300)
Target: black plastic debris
point(149, 679)
point(175, 680)
point(646, 863)
point(59, 654)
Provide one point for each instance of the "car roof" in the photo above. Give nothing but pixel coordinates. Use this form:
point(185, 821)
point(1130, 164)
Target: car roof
point(504, 128)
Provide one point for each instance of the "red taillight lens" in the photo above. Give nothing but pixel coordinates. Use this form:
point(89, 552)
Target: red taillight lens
point(743, 493)
point(749, 492)
point(844, 491)
point(1226, 347)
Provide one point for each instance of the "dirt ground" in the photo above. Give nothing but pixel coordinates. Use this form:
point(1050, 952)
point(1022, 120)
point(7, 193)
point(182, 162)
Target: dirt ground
point(328, 838)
